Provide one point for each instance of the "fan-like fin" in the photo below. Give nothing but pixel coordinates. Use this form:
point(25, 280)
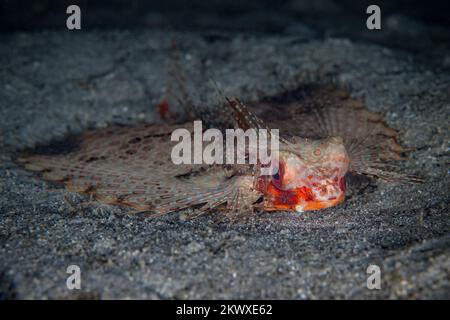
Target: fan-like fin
point(370, 143)
point(132, 166)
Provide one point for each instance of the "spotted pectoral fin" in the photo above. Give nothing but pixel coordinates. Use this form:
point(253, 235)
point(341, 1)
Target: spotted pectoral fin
point(118, 165)
point(233, 194)
point(148, 189)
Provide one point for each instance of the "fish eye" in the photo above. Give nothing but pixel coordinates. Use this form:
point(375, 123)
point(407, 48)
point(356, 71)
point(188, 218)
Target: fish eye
point(276, 180)
point(276, 176)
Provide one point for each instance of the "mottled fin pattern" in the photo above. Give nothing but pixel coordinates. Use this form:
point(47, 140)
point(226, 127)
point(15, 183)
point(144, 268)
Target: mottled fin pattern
point(323, 112)
point(132, 166)
point(243, 118)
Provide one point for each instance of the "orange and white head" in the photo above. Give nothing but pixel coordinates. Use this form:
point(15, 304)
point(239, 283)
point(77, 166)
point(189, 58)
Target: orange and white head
point(311, 176)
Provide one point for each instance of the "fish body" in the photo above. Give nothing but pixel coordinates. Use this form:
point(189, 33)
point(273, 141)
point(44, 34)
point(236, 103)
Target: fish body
point(324, 137)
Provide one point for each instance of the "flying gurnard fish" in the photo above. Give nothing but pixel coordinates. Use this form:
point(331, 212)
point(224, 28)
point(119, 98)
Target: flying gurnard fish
point(325, 135)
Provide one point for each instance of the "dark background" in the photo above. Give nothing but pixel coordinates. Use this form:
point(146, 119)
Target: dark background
point(418, 27)
point(238, 16)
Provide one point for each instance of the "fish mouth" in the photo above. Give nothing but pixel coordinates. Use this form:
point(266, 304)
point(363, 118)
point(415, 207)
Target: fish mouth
point(308, 197)
point(319, 204)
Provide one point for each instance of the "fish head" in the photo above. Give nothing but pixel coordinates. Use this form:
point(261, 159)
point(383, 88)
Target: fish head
point(310, 176)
